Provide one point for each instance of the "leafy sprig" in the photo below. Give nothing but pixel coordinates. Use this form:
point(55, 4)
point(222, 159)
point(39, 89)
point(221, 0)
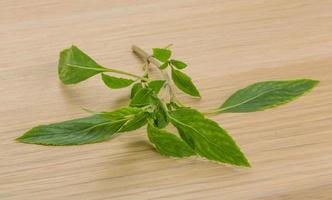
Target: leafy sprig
point(197, 135)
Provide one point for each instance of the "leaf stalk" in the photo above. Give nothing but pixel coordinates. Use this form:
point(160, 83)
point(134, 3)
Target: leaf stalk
point(150, 59)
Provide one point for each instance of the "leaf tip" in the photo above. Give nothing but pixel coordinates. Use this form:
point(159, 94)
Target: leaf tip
point(312, 81)
point(315, 82)
point(245, 163)
point(196, 94)
point(68, 48)
point(21, 139)
point(18, 139)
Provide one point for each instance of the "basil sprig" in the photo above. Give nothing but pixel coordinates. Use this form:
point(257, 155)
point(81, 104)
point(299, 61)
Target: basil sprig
point(153, 102)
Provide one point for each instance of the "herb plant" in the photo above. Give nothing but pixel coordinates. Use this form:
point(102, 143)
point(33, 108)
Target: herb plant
point(153, 102)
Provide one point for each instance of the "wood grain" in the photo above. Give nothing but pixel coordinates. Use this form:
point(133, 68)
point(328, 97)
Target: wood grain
point(228, 44)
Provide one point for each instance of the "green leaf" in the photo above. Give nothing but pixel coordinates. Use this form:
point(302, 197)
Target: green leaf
point(178, 64)
point(142, 98)
point(160, 114)
point(168, 144)
point(136, 117)
point(115, 82)
point(161, 54)
point(163, 66)
point(184, 83)
point(156, 85)
point(76, 66)
point(126, 112)
point(73, 132)
point(96, 128)
point(136, 122)
point(172, 105)
point(268, 94)
point(136, 87)
point(206, 137)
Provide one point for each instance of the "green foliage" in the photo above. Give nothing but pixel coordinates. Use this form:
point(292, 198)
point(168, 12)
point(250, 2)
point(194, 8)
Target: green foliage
point(178, 64)
point(115, 82)
point(168, 144)
point(142, 98)
point(156, 85)
point(75, 66)
point(121, 113)
point(184, 83)
point(163, 66)
point(198, 135)
point(161, 54)
point(159, 116)
point(96, 128)
point(206, 137)
point(268, 94)
point(136, 122)
point(135, 88)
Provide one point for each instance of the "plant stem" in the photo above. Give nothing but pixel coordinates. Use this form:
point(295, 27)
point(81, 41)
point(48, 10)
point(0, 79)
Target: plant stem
point(149, 59)
point(145, 56)
point(168, 46)
point(211, 112)
point(126, 73)
point(145, 68)
point(110, 70)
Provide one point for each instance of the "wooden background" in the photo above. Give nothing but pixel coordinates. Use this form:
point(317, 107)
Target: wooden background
point(228, 44)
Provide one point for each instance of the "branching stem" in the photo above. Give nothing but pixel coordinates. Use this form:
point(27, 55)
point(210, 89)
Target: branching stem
point(126, 73)
point(110, 70)
point(149, 59)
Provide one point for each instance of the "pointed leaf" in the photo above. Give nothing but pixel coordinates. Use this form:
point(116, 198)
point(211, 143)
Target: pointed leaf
point(268, 94)
point(184, 83)
point(136, 122)
point(142, 98)
point(159, 115)
point(168, 144)
point(121, 113)
point(115, 82)
point(73, 132)
point(76, 66)
point(178, 64)
point(96, 128)
point(206, 137)
point(136, 87)
point(163, 66)
point(156, 85)
point(161, 54)
point(136, 118)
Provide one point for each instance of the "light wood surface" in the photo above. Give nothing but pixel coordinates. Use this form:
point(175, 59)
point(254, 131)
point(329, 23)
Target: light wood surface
point(228, 44)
